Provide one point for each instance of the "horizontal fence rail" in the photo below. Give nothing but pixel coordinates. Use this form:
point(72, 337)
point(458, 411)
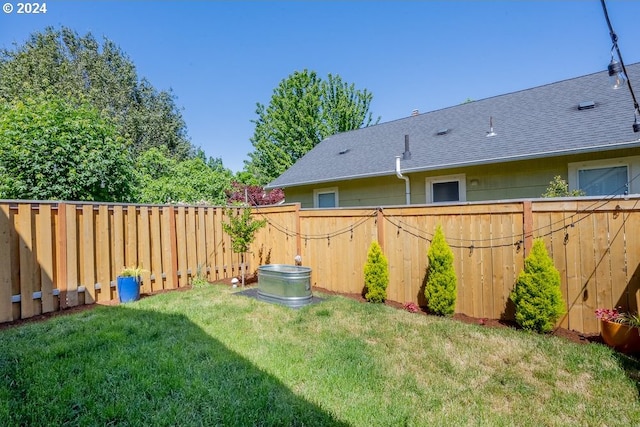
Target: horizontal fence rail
point(59, 255)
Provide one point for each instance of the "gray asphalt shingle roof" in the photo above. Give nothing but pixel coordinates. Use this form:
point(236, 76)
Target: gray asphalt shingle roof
point(534, 123)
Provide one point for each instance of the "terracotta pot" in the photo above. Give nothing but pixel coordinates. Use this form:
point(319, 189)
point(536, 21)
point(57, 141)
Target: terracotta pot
point(623, 338)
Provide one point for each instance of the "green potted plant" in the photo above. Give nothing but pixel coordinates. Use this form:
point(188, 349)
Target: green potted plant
point(619, 330)
point(128, 284)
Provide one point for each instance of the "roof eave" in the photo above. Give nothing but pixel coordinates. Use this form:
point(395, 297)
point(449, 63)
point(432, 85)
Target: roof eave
point(532, 156)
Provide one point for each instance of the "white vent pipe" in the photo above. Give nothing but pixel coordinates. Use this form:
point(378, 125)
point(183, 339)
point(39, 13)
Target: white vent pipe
point(407, 184)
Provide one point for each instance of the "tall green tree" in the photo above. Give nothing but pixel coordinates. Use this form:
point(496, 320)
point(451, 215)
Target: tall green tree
point(51, 149)
point(164, 179)
point(303, 110)
point(59, 61)
point(344, 107)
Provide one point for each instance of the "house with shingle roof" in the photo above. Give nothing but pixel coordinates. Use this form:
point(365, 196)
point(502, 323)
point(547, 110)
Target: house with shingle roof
point(505, 147)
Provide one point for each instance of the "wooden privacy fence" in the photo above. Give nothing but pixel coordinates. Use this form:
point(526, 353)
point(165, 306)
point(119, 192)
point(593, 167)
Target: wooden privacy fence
point(594, 245)
point(57, 255)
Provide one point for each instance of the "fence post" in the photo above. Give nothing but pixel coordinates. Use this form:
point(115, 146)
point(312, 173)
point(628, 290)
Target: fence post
point(380, 227)
point(527, 219)
point(296, 212)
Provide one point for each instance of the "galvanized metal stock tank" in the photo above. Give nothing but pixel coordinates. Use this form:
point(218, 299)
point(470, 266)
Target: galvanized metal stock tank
point(284, 284)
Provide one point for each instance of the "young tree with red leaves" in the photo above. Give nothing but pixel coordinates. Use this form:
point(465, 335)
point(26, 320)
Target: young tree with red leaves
point(253, 195)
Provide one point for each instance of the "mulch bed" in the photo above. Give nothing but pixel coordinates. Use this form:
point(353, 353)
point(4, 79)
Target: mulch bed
point(567, 334)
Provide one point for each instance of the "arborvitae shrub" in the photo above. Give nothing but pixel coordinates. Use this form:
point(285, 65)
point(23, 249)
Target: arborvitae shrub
point(537, 295)
point(441, 286)
point(376, 274)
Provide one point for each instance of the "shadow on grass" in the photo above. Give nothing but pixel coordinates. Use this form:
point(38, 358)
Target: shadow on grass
point(631, 366)
point(125, 366)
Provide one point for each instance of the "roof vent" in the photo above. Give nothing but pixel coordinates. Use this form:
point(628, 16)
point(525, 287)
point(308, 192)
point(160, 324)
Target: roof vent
point(443, 131)
point(415, 112)
point(345, 151)
point(491, 133)
point(587, 105)
point(407, 154)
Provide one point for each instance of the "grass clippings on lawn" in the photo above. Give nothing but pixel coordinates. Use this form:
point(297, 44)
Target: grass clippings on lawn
point(206, 357)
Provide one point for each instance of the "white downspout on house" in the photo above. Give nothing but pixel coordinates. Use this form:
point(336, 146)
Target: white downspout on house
point(407, 184)
point(406, 156)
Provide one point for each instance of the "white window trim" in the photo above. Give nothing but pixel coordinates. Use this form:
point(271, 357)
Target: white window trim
point(574, 168)
point(462, 186)
point(319, 191)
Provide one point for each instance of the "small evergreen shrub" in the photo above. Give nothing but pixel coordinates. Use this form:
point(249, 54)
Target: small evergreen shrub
point(537, 295)
point(441, 287)
point(376, 274)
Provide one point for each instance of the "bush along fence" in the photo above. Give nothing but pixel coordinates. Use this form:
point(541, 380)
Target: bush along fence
point(57, 255)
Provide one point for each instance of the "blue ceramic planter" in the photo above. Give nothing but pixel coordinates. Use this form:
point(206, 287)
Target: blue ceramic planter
point(128, 288)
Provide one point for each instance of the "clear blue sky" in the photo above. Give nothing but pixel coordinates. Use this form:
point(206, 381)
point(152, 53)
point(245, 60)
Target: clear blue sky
point(222, 57)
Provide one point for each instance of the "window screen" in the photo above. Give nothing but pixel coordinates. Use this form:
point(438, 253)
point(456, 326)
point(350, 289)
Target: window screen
point(326, 200)
point(603, 181)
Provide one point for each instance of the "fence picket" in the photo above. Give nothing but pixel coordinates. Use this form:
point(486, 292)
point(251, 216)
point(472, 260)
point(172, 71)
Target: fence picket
point(45, 256)
point(103, 254)
point(6, 225)
point(29, 280)
point(87, 252)
point(156, 249)
point(144, 248)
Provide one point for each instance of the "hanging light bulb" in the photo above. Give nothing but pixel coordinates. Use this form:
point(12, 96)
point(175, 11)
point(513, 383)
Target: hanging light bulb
point(617, 72)
point(616, 75)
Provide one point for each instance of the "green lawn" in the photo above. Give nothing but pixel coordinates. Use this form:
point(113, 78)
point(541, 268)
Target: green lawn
point(208, 357)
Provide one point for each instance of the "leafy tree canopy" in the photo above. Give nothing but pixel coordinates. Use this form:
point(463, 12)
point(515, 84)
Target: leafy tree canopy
point(50, 149)
point(303, 110)
point(59, 61)
point(164, 179)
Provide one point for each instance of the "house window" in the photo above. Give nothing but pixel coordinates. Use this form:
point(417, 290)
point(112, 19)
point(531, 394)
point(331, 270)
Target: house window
point(604, 177)
point(442, 189)
point(604, 181)
point(325, 198)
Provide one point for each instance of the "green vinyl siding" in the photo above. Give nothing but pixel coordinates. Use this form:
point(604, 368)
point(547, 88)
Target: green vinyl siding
point(513, 180)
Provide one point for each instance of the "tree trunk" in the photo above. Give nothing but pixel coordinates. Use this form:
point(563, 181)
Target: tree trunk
point(242, 267)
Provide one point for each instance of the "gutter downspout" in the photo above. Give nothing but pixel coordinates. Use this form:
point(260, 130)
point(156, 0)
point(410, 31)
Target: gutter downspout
point(407, 191)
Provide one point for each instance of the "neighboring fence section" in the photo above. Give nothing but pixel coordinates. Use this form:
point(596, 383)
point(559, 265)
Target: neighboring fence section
point(58, 255)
